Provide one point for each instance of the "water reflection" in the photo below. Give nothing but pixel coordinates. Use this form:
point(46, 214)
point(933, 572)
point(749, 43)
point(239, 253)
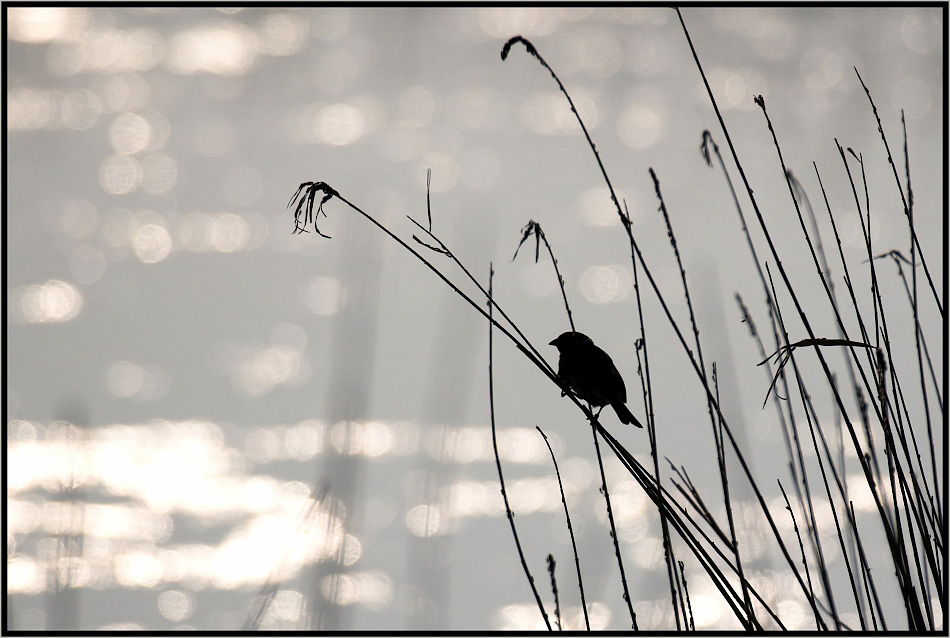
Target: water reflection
point(143, 485)
point(163, 471)
point(136, 488)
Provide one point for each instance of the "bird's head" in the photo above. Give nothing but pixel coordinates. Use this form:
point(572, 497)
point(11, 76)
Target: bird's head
point(571, 341)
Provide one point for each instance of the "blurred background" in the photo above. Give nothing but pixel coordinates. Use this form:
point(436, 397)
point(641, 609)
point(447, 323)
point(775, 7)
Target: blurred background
point(215, 424)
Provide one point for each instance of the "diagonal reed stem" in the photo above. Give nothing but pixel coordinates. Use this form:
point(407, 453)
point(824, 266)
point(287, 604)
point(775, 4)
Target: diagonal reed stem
point(570, 529)
point(494, 442)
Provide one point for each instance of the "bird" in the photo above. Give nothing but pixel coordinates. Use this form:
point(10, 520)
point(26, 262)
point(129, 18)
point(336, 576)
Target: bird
point(590, 373)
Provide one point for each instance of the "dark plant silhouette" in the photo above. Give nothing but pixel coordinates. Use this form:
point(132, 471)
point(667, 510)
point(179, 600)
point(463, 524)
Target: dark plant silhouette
point(902, 482)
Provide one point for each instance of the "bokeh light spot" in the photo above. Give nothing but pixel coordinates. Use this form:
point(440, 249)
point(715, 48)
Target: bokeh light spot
point(330, 23)
point(598, 209)
point(176, 605)
point(138, 569)
point(260, 370)
point(548, 113)
point(151, 243)
point(821, 68)
point(605, 284)
point(639, 126)
point(120, 174)
point(921, 31)
point(339, 125)
point(29, 109)
point(445, 171)
point(325, 296)
point(159, 173)
point(223, 48)
point(424, 520)
point(281, 34)
point(42, 24)
point(127, 380)
point(129, 133)
point(52, 302)
point(501, 22)
point(913, 96)
point(289, 604)
point(229, 233)
point(707, 610)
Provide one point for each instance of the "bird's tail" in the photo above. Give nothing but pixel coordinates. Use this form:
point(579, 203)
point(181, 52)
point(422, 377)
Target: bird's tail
point(625, 416)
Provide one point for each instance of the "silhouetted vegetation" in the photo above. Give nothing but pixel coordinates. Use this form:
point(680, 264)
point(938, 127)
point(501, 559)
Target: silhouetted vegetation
point(878, 409)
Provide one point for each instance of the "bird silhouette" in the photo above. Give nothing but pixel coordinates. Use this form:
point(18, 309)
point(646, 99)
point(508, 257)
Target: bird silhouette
point(590, 374)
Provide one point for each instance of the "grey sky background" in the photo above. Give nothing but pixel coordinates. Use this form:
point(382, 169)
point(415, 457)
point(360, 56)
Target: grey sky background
point(198, 375)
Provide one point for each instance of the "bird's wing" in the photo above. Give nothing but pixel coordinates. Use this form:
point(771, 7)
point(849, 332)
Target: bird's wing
point(611, 382)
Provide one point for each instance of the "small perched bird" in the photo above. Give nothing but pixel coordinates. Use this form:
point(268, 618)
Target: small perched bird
point(590, 373)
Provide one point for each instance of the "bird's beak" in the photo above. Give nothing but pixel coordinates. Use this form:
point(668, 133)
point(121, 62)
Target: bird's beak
point(553, 344)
